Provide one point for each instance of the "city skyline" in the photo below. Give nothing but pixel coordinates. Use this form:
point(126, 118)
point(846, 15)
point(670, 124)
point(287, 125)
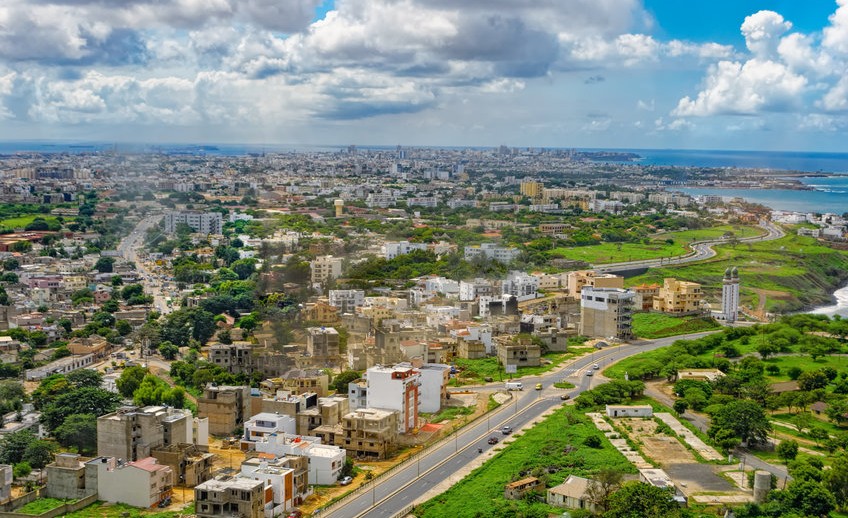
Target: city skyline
point(611, 73)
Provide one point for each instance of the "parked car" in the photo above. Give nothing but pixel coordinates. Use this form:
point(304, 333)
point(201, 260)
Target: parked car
point(295, 513)
point(493, 440)
point(346, 480)
point(506, 430)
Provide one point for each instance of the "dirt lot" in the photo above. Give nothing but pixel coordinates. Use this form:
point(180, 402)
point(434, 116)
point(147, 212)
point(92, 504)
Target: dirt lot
point(659, 447)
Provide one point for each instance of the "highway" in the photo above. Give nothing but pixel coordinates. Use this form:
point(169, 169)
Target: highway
point(397, 490)
point(701, 250)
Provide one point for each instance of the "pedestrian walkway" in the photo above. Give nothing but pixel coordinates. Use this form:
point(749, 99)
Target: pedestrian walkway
point(707, 452)
point(619, 442)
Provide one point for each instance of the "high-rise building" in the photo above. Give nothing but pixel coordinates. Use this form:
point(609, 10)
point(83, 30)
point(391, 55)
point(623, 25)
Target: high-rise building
point(201, 222)
point(606, 312)
point(730, 295)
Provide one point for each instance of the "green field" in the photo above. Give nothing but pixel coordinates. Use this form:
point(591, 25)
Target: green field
point(657, 247)
point(107, 510)
point(659, 325)
point(476, 371)
point(552, 450)
point(23, 221)
point(41, 505)
point(795, 271)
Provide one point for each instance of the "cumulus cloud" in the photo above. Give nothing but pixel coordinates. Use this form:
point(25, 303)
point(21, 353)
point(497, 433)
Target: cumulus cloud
point(762, 32)
point(744, 89)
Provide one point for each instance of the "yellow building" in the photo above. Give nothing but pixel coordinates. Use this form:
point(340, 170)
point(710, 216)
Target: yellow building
point(678, 297)
point(531, 189)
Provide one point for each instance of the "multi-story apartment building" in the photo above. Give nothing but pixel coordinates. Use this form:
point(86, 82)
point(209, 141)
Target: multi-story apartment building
point(325, 268)
point(369, 433)
point(322, 344)
point(226, 407)
point(393, 249)
point(226, 497)
point(520, 285)
point(576, 280)
point(347, 301)
point(201, 222)
point(143, 483)
point(606, 312)
point(325, 460)
point(491, 251)
point(133, 433)
point(678, 297)
point(395, 388)
point(235, 358)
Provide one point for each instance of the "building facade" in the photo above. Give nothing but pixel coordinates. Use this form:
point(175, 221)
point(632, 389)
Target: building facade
point(606, 312)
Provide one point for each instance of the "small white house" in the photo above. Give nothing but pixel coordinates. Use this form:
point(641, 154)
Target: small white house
point(629, 411)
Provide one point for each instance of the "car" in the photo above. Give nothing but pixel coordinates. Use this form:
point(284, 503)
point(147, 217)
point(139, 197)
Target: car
point(506, 430)
point(345, 481)
point(538, 386)
point(493, 440)
point(596, 366)
point(564, 397)
point(590, 373)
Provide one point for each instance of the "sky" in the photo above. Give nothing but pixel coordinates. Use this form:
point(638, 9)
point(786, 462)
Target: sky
point(726, 74)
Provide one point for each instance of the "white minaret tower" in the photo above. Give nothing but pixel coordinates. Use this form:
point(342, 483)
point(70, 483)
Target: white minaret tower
point(730, 294)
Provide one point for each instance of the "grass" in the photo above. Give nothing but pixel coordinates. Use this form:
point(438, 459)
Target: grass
point(660, 325)
point(542, 448)
point(657, 247)
point(449, 413)
point(107, 510)
point(476, 371)
point(796, 271)
point(42, 505)
point(563, 385)
point(23, 221)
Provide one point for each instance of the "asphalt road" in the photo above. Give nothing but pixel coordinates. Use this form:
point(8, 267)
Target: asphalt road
point(389, 494)
point(701, 250)
point(128, 249)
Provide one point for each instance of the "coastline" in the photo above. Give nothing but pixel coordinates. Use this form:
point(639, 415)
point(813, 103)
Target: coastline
point(839, 307)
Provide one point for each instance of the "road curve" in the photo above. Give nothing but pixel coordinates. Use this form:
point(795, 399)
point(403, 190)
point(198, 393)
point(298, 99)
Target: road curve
point(701, 250)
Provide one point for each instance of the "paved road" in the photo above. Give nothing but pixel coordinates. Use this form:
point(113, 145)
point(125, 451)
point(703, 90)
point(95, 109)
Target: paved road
point(389, 494)
point(129, 251)
point(701, 250)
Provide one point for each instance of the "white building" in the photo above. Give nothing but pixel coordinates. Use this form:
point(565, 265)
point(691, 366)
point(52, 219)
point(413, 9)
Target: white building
point(470, 290)
point(520, 285)
point(143, 483)
point(441, 285)
point(492, 251)
point(395, 388)
point(434, 386)
point(264, 424)
point(729, 296)
point(393, 249)
point(201, 222)
point(325, 461)
point(347, 300)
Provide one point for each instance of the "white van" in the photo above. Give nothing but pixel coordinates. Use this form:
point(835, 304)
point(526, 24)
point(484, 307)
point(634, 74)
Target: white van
point(514, 385)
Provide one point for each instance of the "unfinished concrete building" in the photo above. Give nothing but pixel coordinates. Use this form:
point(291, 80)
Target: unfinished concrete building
point(369, 433)
point(226, 407)
point(190, 464)
point(131, 433)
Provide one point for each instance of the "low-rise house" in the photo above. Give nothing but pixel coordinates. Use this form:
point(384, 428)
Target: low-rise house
point(66, 477)
point(265, 424)
point(325, 461)
point(516, 490)
point(60, 366)
point(629, 411)
point(286, 477)
point(191, 465)
point(571, 494)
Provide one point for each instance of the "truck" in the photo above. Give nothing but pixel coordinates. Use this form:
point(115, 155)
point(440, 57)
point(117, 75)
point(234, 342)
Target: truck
point(514, 385)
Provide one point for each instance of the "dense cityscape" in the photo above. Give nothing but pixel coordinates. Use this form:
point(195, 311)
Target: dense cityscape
point(356, 332)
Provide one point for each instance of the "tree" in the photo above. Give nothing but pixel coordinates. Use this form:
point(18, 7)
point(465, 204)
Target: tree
point(680, 406)
point(130, 380)
point(593, 441)
point(21, 246)
point(603, 485)
point(812, 380)
point(638, 500)
point(10, 264)
point(745, 418)
point(168, 350)
point(123, 327)
point(85, 378)
point(726, 439)
point(104, 264)
point(836, 479)
point(787, 450)
point(78, 430)
point(39, 453)
point(13, 446)
point(808, 498)
point(88, 400)
point(132, 290)
point(244, 268)
point(21, 469)
point(341, 381)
